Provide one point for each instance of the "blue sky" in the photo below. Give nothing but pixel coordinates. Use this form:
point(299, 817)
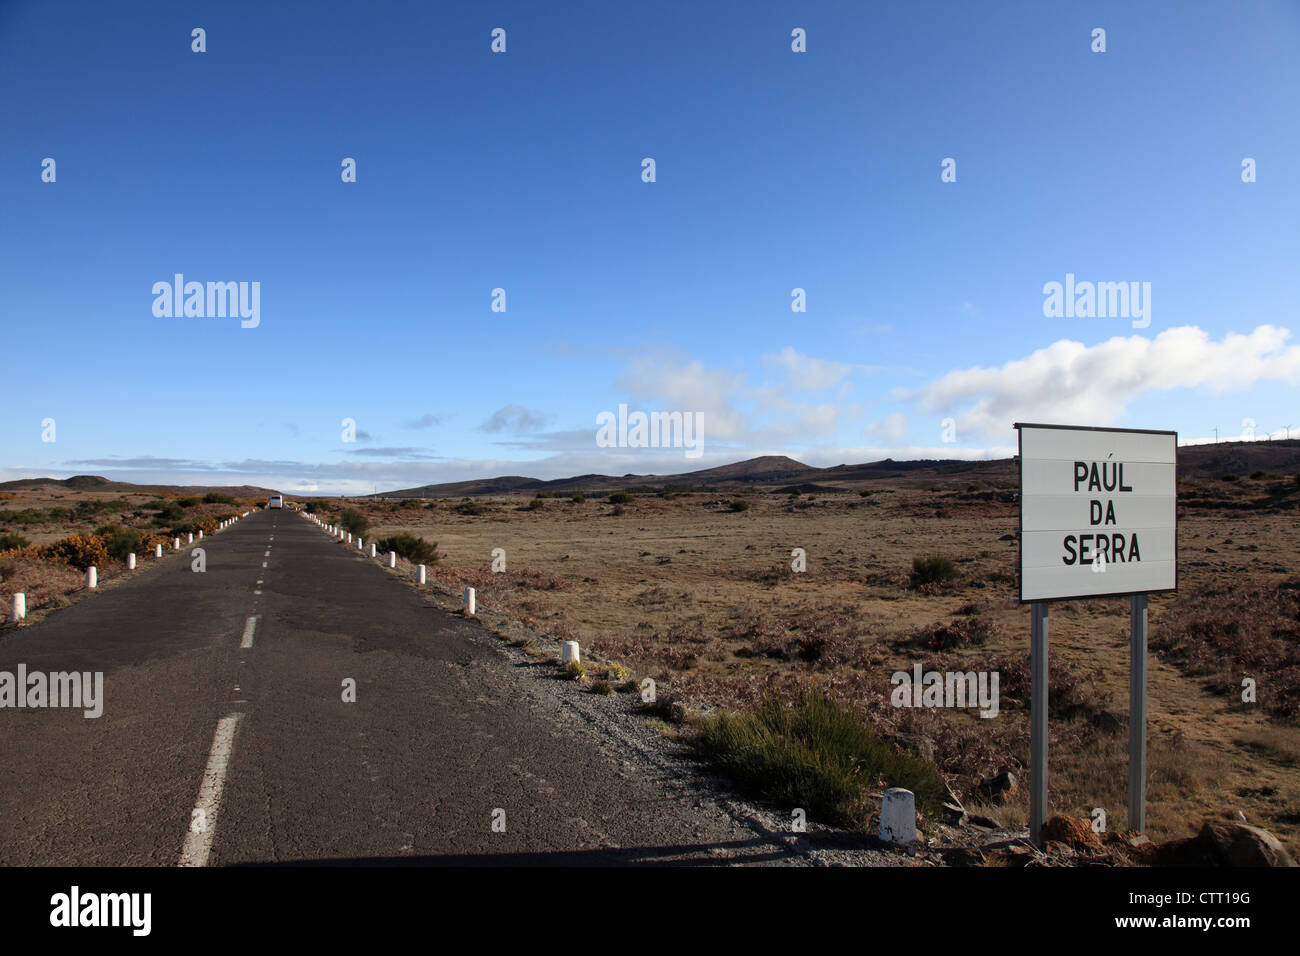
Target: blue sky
point(522, 170)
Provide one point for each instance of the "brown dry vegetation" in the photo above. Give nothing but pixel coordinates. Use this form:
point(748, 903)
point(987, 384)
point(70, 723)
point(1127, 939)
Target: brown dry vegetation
point(68, 530)
point(684, 589)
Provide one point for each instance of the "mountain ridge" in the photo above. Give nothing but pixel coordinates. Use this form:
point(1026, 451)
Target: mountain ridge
point(1194, 461)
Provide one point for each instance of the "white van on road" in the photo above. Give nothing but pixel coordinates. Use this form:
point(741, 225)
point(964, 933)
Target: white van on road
point(276, 501)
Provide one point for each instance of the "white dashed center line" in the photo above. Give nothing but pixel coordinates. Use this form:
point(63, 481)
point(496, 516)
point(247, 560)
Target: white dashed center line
point(251, 623)
point(203, 822)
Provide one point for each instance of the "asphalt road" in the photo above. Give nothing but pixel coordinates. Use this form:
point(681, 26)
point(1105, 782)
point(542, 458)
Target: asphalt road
point(448, 733)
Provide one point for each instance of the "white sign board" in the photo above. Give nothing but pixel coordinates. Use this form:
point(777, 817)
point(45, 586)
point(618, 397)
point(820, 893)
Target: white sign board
point(1098, 512)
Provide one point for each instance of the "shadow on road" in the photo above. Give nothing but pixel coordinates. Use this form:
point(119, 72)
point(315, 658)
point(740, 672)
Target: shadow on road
point(756, 851)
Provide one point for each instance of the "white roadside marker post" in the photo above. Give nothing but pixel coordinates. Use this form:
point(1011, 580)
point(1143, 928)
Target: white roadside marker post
point(130, 562)
point(191, 540)
point(570, 654)
point(392, 559)
point(372, 549)
point(176, 544)
point(469, 601)
point(92, 577)
point(19, 606)
point(419, 574)
point(157, 550)
point(898, 816)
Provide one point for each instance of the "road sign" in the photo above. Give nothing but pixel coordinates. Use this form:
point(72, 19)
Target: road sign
point(1097, 512)
point(1098, 518)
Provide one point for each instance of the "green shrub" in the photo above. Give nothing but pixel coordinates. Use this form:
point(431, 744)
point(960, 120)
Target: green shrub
point(813, 753)
point(119, 542)
point(187, 502)
point(740, 505)
point(412, 548)
point(213, 498)
point(618, 510)
point(621, 498)
point(354, 522)
point(616, 671)
point(94, 506)
point(169, 511)
point(25, 517)
point(12, 541)
point(932, 570)
point(1229, 477)
point(577, 499)
point(536, 504)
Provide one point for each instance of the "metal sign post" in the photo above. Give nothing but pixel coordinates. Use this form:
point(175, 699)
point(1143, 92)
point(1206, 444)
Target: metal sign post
point(1137, 716)
point(1038, 722)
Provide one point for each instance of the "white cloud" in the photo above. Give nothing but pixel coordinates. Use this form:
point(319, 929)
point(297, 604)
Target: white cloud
point(891, 428)
point(690, 387)
point(1092, 385)
point(808, 374)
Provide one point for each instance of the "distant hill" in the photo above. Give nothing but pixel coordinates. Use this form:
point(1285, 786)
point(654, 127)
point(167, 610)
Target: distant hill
point(99, 483)
point(1239, 458)
point(771, 472)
